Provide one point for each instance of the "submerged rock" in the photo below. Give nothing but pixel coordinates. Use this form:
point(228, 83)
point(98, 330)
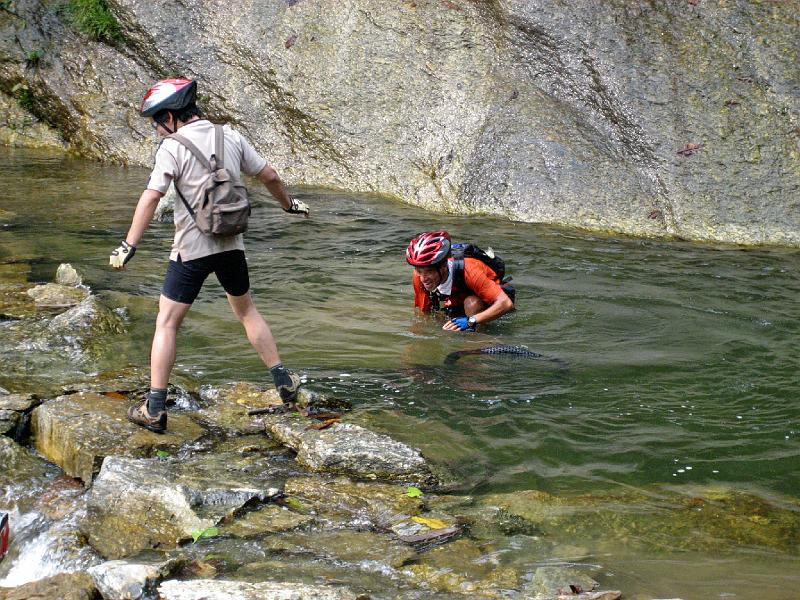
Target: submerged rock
point(138, 504)
point(132, 580)
point(15, 303)
point(700, 519)
point(215, 589)
point(268, 519)
point(384, 507)
point(78, 431)
point(461, 567)
point(344, 546)
point(349, 449)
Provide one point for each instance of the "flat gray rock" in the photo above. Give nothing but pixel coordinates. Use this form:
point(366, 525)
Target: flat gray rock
point(351, 450)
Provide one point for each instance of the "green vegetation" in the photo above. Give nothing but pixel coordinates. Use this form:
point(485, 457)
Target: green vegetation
point(33, 58)
point(93, 18)
point(204, 533)
point(24, 96)
point(414, 492)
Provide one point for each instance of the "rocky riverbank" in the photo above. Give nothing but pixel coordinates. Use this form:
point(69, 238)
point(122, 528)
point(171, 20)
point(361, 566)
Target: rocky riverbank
point(652, 119)
point(210, 509)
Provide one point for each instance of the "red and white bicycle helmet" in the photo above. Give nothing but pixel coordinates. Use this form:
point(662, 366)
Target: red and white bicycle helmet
point(428, 249)
point(169, 94)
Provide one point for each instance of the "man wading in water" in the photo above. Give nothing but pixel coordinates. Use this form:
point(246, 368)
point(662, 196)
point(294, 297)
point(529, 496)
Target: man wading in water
point(171, 106)
point(471, 291)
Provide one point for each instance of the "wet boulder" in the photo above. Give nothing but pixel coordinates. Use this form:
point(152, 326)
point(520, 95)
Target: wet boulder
point(21, 474)
point(138, 504)
point(64, 586)
point(89, 317)
point(67, 275)
point(15, 410)
point(348, 449)
point(78, 431)
point(55, 295)
point(216, 589)
point(132, 580)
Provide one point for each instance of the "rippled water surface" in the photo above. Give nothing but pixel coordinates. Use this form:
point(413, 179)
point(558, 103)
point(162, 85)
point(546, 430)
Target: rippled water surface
point(677, 363)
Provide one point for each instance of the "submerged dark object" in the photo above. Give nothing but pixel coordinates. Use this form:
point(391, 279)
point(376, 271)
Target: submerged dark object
point(515, 351)
point(3, 535)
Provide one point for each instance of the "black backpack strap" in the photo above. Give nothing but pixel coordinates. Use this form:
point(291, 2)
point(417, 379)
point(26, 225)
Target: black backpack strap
point(458, 268)
point(435, 299)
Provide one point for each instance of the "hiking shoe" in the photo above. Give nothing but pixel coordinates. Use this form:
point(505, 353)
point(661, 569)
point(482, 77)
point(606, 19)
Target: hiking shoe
point(288, 387)
point(140, 416)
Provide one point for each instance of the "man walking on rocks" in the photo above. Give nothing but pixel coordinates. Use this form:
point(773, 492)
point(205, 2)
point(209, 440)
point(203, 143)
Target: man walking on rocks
point(190, 160)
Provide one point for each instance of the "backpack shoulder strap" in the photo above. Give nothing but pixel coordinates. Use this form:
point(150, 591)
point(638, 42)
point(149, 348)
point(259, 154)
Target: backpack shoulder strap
point(219, 142)
point(191, 148)
point(458, 267)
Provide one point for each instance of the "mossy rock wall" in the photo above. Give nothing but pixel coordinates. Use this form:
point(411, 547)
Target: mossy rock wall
point(653, 119)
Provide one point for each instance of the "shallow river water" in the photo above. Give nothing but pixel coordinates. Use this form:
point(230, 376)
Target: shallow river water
point(676, 371)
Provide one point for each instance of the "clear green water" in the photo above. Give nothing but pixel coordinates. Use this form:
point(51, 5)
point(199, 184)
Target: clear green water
point(677, 355)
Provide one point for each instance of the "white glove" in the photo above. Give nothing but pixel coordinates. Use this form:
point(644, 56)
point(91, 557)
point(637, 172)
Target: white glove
point(121, 255)
point(297, 207)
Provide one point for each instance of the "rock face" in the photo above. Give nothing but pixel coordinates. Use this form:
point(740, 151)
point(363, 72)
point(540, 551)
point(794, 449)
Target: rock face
point(656, 119)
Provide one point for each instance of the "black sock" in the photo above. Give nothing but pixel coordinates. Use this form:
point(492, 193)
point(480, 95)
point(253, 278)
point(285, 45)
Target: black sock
point(279, 374)
point(156, 401)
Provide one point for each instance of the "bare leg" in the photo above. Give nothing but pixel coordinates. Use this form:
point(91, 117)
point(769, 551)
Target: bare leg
point(258, 331)
point(162, 354)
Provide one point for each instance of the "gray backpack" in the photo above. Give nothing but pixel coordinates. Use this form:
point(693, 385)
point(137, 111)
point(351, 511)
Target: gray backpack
point(224, 207)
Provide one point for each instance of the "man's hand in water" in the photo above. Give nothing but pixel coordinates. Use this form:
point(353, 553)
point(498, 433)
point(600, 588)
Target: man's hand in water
point(121, 255)
point(298, 208)
point(458, 324)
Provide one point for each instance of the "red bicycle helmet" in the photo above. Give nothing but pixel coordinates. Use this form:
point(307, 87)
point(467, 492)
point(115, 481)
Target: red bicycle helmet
point(428, 249)
point(169, 94)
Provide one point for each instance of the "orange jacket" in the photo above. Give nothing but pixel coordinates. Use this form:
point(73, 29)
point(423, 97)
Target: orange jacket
point(479, 280)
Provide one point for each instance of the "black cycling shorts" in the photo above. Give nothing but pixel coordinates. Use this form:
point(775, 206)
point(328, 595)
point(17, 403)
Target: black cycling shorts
point(183, 280)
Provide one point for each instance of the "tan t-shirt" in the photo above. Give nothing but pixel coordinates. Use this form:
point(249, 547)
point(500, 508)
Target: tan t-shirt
point(174, 162)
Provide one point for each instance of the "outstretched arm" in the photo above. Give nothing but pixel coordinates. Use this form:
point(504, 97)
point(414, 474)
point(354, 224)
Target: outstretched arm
point(269, 177)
